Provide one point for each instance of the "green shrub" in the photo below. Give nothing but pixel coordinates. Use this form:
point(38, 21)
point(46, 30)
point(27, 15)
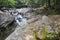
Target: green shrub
point(30, 3)
point(7, 3)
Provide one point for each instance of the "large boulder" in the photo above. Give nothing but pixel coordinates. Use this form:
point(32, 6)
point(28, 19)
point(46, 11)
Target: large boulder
point(36, 27)
point(5, 19)
point(7, 24)
point(28, 30)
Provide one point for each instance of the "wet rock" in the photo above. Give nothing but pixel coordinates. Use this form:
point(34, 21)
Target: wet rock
point(5, 19)
point(7, 24)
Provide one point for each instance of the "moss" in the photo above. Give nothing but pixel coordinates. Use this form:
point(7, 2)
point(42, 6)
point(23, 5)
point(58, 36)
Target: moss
point(50, 34)
point(44, 31)
point(45, 34)
point(36, 35)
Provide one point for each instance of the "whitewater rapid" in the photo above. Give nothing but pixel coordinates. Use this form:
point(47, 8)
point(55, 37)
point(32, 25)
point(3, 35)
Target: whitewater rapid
point(18, 17)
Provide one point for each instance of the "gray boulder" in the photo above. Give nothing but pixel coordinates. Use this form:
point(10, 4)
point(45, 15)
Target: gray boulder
point(25, 30)
point(7, 24)
point(5, 19)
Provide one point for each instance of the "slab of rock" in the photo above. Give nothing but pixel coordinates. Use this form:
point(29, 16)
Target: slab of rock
point(25, 32)
point(5, 19)
point(7, 24)
point(24, 10)
point(35, 22)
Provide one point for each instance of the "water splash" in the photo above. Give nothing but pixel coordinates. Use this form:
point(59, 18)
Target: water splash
point(18, 17)
point(13, 12)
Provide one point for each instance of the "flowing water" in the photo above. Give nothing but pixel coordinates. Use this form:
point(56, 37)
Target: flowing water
point(18, 17)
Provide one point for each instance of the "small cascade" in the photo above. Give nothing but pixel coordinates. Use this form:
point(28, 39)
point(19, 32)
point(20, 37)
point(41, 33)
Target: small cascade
point(18, 17)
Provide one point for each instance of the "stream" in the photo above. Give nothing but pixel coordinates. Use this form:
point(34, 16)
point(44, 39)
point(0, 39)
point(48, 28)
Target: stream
point(18, 17)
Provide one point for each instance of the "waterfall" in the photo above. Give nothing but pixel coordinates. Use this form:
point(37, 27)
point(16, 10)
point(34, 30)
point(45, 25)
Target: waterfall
point(18, 17)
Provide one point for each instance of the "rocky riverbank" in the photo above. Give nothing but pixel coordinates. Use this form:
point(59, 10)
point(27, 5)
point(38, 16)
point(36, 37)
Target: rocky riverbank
point(36, 27)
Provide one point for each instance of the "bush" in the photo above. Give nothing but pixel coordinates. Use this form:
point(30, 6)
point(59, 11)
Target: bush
point(29, 3)
point(20, 3)
point(7, 3)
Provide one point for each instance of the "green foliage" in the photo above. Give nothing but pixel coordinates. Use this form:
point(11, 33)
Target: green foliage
point(35, 34)
point(7, 3)
point(11, 3)
point(44, 31)
point(48, 34)
point(51, 12)
point(30, 3)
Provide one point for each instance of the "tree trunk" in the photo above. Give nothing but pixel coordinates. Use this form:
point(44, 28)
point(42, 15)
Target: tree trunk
point(48, 3)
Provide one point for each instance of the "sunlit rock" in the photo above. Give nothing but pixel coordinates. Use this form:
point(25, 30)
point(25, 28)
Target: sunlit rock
point(24, 10)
